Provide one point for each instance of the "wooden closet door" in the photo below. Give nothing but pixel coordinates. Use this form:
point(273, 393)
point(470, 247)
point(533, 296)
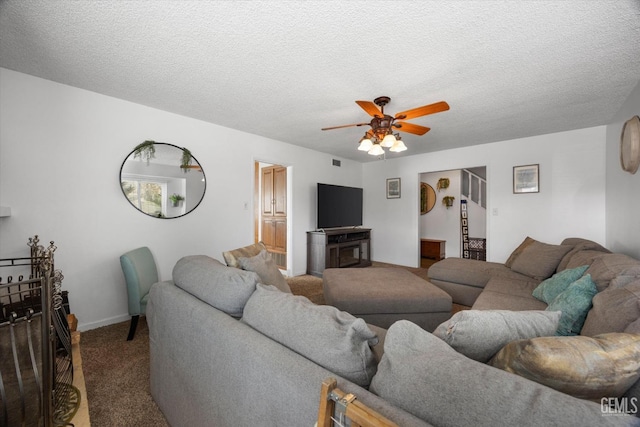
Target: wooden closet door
point(274, 208)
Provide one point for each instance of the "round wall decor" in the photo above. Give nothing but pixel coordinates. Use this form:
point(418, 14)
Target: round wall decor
point(630, 145)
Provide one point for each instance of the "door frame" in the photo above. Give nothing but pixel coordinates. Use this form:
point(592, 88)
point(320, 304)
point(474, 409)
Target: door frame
point(257, 189)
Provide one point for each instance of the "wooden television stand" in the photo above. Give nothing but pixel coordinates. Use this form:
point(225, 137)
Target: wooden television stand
point(338, 248)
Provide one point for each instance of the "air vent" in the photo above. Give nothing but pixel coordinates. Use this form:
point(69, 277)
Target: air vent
point(335, 162)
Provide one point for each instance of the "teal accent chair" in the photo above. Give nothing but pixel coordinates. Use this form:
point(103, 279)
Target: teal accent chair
point(140, 273)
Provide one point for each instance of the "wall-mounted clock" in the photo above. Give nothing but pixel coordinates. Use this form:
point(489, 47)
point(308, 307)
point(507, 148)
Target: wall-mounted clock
point(630, 145)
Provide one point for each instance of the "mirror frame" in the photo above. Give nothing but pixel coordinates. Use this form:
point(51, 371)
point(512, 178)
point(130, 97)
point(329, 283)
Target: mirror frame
point(427, 198)
point(194, 160)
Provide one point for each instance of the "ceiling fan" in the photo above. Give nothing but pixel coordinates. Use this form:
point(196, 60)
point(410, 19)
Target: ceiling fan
point(383, 125)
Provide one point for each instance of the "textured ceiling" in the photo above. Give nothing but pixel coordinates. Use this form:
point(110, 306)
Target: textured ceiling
point(286, 69)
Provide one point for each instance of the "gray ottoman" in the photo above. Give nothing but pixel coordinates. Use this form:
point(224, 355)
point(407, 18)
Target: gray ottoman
point(381, 296)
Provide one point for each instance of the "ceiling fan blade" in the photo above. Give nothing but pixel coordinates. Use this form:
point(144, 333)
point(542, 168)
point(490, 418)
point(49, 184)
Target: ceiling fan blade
point(423, 111)
point(345, 126)
point(411, 128)
point(370, 108)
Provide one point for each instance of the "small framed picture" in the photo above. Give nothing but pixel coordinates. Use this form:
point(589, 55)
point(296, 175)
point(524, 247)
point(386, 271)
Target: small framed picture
point(526, 179)
point(393, 188)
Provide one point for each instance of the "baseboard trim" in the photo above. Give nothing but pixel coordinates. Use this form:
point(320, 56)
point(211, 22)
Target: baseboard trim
point(104, 322)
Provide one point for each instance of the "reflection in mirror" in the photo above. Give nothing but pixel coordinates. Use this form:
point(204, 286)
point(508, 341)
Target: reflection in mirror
point(161, 182)
point(427, 198)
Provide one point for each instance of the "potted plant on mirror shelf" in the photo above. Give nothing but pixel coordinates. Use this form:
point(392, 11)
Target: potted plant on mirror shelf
point(176, 199)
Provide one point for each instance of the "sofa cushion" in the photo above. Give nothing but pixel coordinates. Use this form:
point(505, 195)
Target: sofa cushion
point(603, 269)
point(231, 257)
point(585, 257)
point(517, 251)
point(479, 334)
point(333, 339)
point(613, 310)
point(574, 303)
point(585, 367)
point(263, 265)
point(471, 272)
point(225, 288)
point(550, 288)
point(579, 245)
point(634, 327)
point(423, 375)
point(625, 277)
point(539, 260)
point(489, 300)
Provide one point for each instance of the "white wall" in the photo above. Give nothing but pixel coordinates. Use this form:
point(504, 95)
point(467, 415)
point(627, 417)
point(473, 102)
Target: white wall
point(623, 188)
point(60, 154)
point(571, 201)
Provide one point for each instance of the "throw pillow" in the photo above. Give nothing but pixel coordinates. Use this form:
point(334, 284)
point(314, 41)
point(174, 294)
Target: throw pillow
point(539, 260)
point(424, 376)
point(517, 251)
point(613, 310)
point(263, 265)
point(574, 303)
point(225, 288)
point(479, 334)
point(605, 268)
point(585, 367)
point(333, 339)
point(550, 288)
point(231, 257)
point(634, 327)
point(579, 245)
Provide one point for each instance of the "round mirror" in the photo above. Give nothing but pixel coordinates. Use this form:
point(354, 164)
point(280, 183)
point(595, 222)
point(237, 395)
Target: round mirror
point(427, 198)
point(162, 180)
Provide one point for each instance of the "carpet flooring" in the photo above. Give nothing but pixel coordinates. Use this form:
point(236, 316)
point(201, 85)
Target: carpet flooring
point(116, 371)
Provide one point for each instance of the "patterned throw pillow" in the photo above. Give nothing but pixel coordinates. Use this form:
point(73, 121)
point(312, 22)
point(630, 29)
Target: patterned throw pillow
point(574, 303)
point(549, 289)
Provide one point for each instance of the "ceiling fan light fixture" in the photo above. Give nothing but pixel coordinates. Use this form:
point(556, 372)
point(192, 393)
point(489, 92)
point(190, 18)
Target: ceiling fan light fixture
point(381, 135)
point(365, 144)
point(376, 150)
point(398, 146)
point(388, 141)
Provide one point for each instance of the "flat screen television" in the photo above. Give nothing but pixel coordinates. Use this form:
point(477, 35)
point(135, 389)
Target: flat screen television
point(339, 206)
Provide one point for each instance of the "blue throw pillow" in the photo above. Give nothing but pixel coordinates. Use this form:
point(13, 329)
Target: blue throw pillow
point(574, 303)
point(549, 289)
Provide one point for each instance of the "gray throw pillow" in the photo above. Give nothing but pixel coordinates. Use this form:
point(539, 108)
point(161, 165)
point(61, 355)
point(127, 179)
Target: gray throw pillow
point(539, 260)
point(263, 265)
point(333, 339)
point(479, 334)
point(225, 288)
point(424, 376)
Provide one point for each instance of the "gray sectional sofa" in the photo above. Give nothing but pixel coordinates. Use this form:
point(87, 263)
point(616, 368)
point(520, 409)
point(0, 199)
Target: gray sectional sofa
point(227, 350)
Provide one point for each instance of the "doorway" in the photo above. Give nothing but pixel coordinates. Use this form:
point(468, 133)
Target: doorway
point(441, 231)
point(270, 200)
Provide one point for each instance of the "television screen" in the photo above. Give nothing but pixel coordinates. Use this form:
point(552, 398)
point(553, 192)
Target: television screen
point(339, 206)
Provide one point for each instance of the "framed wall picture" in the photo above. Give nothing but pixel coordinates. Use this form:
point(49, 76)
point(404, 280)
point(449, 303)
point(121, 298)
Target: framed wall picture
point(526, 179)
point(393, 188)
